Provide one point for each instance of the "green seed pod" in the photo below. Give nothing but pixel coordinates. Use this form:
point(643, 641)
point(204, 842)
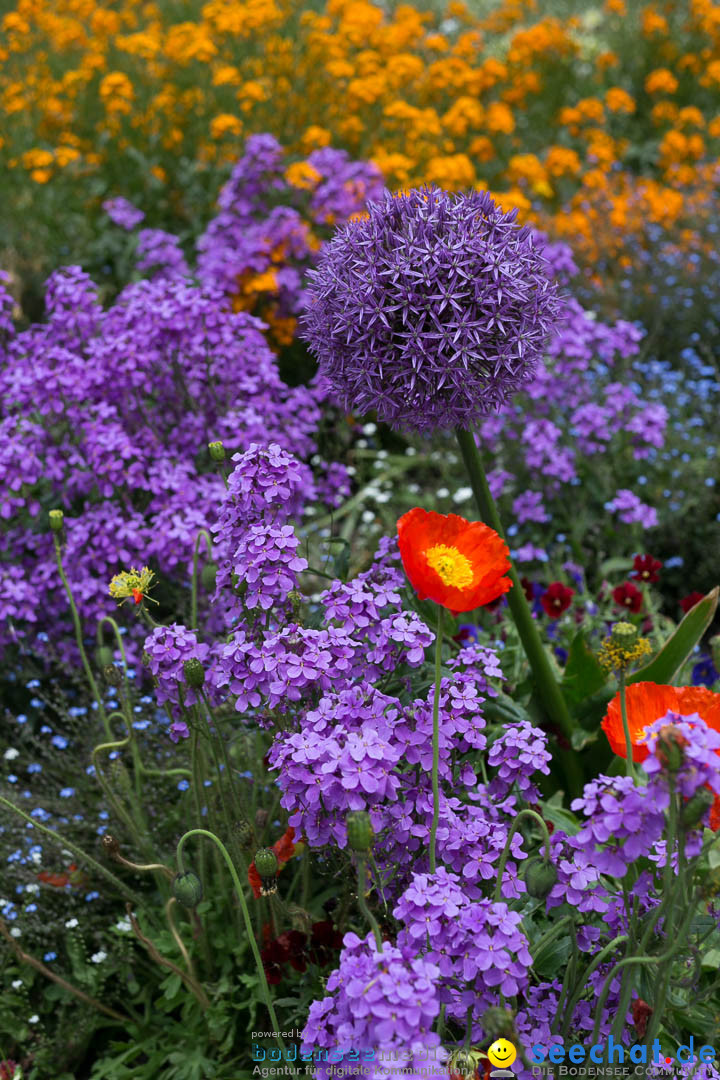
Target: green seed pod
point(244, 834)
point(539, 877)
point(624, 634)
point(194, 672)
point(112, 675)
point(465, 1064)
point(187, 889)
point(695, 808)
point(498, 1023)
point(56, 520)
point(208, 574)
point(670, 748)
point(103, 656)
point(217, 451)
point(266, 863)
point(359, 830)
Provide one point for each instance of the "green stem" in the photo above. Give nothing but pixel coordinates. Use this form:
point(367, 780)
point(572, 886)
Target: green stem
point(506, 850)
point(63, 842)
point(436, 740)
point(246, 917)
point(79, 637)
point(548, 690)
point(577, 994)
point(202, 535)
point(362, 903)
point(629, 770)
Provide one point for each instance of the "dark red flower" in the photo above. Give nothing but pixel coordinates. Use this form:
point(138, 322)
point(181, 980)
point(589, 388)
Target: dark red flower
point(641, 1013)
point(527, 589)
point(688, 602)
point(325, 943)
point(556, 599)
point(645, 568)
point(7, 1069)
point(628, 596)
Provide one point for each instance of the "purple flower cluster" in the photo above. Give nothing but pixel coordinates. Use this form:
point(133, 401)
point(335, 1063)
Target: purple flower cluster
point(631, 509)
point(379, 1000)
point(520, 751)
point(624, 821)
point(122, 213)
point(477, 945)
point(432, 310)
point(698, 747)
point(266, 561)
point(167, 649)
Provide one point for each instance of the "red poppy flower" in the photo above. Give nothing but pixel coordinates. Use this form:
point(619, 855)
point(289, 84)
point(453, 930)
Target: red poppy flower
point(284, 848)
point(646, 702)
point(628, 596)
point(645, 568)
point(688, 602)
point(457, 563)
point(556, 599)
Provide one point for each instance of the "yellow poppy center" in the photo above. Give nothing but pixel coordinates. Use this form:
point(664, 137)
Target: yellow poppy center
point(451, 566)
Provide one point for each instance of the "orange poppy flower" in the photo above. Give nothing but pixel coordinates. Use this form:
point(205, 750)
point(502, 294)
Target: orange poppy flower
point(457, 563)
point(646, 702)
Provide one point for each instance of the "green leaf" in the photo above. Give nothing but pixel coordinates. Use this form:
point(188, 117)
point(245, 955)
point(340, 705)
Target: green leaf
point(618, 564)
point(552, 958)
point(584, 674)
point(664, 667)
point(560, 818)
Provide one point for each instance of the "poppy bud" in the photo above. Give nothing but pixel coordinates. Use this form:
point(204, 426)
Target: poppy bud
point(56, 520)
point(266, 863)
point(103, 656)
point(670, 748)
point(112, 675)
point(208, 575)
point(539, 877)
point(244, 834)
point(695, 808)
point(359, 830)
point(194, 673)
point(624, 634)
point(465, 1064)
point(217, 451)
point(187, 889)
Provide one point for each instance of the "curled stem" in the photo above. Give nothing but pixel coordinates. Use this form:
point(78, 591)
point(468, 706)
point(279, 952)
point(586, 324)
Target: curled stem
point(506, 850)
point(246, 917)
point(202, 535)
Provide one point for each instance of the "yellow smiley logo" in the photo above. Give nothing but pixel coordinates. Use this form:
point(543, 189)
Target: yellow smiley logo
point(502, 1053)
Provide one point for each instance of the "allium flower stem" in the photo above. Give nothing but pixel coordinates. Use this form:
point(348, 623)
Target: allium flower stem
point(545, 682)
point(79, 637)
point(362, 902)
point(436, 740)
point(265, 989)
point(629, 770)
point(506, 850)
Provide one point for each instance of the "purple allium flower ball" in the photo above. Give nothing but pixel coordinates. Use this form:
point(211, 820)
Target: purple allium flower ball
point(432, 310)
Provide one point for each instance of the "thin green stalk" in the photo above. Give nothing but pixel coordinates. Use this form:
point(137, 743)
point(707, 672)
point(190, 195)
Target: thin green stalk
point(202, 535)
point(506, 850)
point(468, 1027)
point(246, 917)
point(126, 700)
point(629, 770)
point(63, 842)
point(577, 994)
point(362, 903)
point(436, 741)
point(548, 689)
point(79, 636)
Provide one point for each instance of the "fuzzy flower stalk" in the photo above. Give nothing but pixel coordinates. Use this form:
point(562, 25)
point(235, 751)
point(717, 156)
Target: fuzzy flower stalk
point(433, 309)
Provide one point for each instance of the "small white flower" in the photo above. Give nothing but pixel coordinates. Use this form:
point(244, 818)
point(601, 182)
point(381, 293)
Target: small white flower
point(34, 1019)
point(98, 957)
point(350, 470)
point(16, 932)
point(71, 924)
point(16, 984)
point(462, 495)
point(383, 496)
point(124, 925)
point(32, 888)
point(36, 857)
point(410, 451)
point(11, 753)
point(367, 516)
point(442, 493)
point(369, 429)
